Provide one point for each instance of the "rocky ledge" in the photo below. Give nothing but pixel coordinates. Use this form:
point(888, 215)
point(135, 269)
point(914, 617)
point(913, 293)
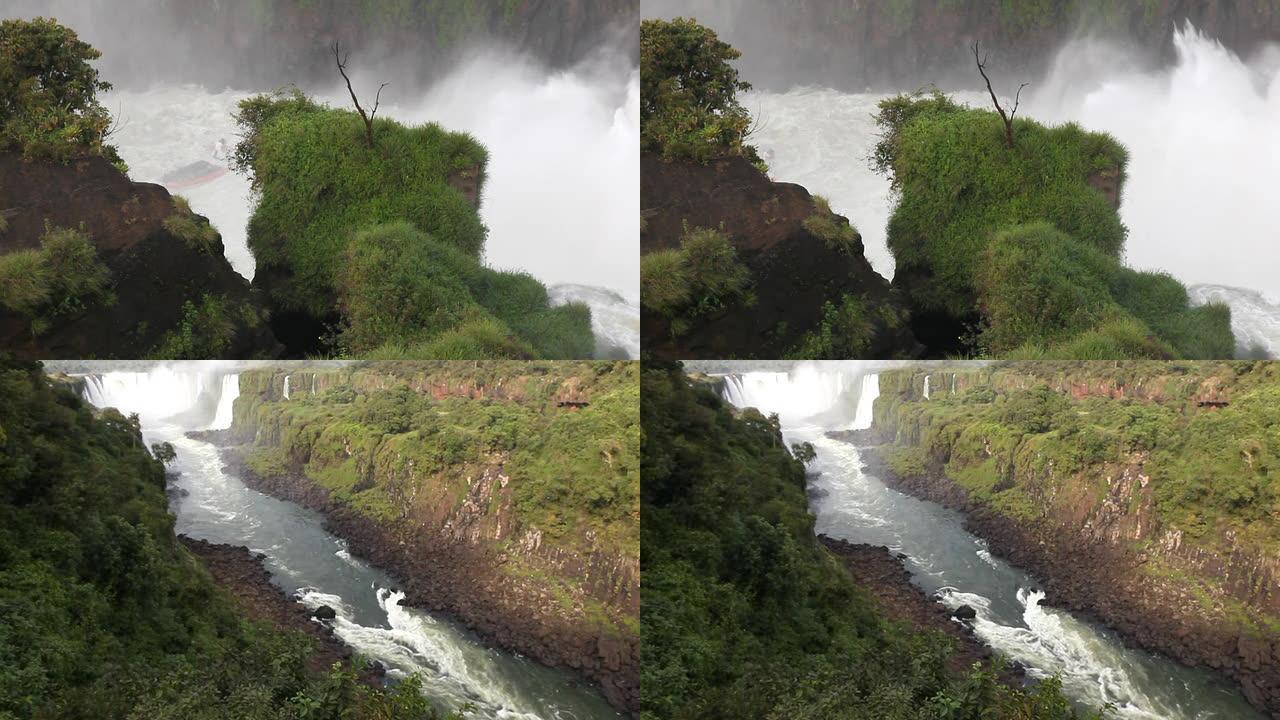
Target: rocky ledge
point(153, 272)
point(794, 272)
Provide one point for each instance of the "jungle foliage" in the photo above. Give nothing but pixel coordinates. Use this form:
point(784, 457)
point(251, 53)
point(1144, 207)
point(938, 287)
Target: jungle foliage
point(103, 614)
point(744, 614)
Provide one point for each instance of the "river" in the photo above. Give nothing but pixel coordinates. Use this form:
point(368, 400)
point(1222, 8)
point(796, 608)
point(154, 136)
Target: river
point(943, 558)
point(308, 562)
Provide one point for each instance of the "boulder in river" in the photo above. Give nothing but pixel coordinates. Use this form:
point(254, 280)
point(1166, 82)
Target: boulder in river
point(964, 612)
point(324, 612)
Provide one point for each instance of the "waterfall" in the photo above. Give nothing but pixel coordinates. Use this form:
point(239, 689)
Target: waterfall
point(926, 387)
point(866, 401)
point(286, 387)
point(230, 391)
point(155, 395)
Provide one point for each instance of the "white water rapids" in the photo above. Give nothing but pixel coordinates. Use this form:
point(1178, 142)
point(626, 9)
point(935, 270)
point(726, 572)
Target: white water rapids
point(211, 503)
point(1095, 665)
point(562, 192)
point(1204, 143)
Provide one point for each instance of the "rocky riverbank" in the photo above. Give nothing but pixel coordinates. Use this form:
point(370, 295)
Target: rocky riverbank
point(1102, 581)
point(242, 574)
point(880, 573)
point(457, 579)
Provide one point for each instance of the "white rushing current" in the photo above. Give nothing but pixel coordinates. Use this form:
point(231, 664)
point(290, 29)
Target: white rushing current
point(1204, 143)
point(211, 503)
point(561, 197)
point(1095, 665)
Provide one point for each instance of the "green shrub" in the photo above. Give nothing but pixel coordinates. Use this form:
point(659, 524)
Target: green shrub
point(664, 281)
point(206, 331)
point(688, 93)
point(319, 184)
point(1038, 285)
point(24, 281)
point(845, 332)
point(703, 276)
point(63, 277)
point(959, 185)
point(48, 93)
point(196, 232)
point(401, 292)
point(837, 233)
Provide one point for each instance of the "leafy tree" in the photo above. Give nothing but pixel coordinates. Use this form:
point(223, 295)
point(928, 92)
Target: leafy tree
point(804, 452)
point(48, 92)
point(688, 93)
point(164, 452)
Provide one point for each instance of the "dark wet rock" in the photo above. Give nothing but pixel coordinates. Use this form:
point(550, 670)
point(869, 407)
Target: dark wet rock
point(324, 612)
point(794, 272)
point(964, 612)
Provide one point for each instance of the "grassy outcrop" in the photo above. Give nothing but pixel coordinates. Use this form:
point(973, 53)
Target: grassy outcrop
point(402, 292)
point(63, 277)
point(1026, 242)
point(318, 184)
point(103, 614)
point(388, 240)
point(745, 614)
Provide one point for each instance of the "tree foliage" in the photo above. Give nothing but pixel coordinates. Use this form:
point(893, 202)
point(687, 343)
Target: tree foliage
point(689, 108)
point(103, 614)
point(744, 614)
point(48, 93)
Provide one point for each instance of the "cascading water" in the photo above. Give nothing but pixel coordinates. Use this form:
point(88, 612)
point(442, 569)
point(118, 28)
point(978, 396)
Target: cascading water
point(456, 668)
point(286, 387)
point(1204, 144)
point(230, 391)
point(926, 387)
point(798, 396)
point(1095, 665)
point(862, 419)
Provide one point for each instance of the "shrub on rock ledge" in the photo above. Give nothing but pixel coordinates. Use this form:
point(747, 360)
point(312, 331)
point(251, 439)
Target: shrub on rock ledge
point(319, 184)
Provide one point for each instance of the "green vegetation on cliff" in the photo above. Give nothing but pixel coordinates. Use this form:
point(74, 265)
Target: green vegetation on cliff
point(48, 93)
point(388, 239)
point(689, 108)
point(62, 278)
point(1028, 238)
point(1036, 441)
point(744, 614)
point(700, 277)
point(103, 614)
point(398, 287)
point(402, 443)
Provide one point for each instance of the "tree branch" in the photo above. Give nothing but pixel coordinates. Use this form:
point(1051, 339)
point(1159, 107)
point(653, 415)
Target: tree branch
point(368, 119)
point(1006, 117)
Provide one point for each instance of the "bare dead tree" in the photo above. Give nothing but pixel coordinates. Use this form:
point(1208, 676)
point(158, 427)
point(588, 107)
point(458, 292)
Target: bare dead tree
point(1007, 118)
point(341, 60)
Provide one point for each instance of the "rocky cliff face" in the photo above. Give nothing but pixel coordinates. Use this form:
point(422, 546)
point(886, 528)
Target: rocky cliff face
point(895, 44)
point(456, 534)
point(153, 272)
point(794, 272)
point(1103, 532)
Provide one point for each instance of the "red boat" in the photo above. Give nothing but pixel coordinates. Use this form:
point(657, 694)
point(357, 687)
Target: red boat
point(193, 175)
